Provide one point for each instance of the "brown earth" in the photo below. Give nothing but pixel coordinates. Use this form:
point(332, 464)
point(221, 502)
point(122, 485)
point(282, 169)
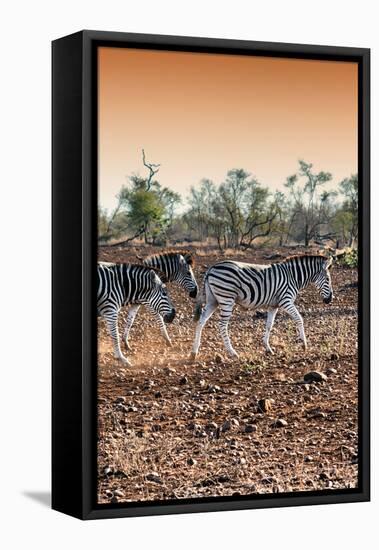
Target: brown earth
point(169, 428)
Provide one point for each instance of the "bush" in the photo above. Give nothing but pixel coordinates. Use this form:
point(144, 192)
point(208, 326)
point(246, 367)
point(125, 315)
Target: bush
point(349, 258)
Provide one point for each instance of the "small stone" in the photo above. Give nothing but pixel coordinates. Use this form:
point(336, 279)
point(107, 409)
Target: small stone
point(120, 399)
point(154, 477)
point(315, 376)
point(157, 394)
point(212, 426)
point(156, 428)
point(107, 470)
point(265, 405)
point(280, 423)
point(226, 426)
point(319, 414)
point(119, 493)
point(202, 383)
point(334, 356)
point(183, 380)
point(250, 428)
point(235, 422)
point(331, 371)
point(132, 409)
point(191, 461)
point(218, 358)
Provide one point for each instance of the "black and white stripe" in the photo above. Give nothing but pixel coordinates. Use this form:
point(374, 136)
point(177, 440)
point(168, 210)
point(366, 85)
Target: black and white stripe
point(260, 286)
point(177, 267)
point(121, 284)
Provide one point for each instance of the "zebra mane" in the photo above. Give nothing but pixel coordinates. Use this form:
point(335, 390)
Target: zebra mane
point(304, 256)
point(160, 273)
point(187, 255)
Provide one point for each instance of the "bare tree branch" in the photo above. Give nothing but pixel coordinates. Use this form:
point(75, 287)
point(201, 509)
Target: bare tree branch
point(153, 169)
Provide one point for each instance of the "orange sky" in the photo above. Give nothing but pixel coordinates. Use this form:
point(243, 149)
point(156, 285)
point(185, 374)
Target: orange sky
point(200, 115)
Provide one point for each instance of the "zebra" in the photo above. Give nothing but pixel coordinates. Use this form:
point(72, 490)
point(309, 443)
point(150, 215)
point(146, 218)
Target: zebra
point(121, 284)
point(177, 267)
point(271, 286)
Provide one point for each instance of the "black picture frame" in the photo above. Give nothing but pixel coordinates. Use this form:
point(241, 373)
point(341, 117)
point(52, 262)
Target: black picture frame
point(74, 205)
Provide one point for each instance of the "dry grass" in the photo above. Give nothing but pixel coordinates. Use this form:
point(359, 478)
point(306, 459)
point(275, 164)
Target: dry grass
point(161, 421)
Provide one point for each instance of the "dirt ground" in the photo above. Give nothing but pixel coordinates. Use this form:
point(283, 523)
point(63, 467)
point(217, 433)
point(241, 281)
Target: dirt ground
point(169, 428)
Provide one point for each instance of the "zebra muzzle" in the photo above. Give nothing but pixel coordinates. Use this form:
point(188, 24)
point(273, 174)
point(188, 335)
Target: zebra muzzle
point(193, 293)
point(169, 317)
point(328, 299)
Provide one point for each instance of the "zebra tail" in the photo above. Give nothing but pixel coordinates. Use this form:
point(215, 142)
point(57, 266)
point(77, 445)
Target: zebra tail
point(200, 301)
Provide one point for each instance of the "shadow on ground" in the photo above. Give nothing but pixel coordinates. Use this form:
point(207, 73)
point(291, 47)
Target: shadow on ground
point(42, 497)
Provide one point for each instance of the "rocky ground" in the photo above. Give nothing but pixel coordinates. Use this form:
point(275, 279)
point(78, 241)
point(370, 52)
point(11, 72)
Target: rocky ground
point(169, 428)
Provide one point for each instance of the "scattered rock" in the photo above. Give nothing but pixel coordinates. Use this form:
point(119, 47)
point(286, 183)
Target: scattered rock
point(250, 428)
point(154, 477)
point(265, 405)
point(156, 428)
point(212, 426)
point(315, 376)
point(120, 399)
point(226, 426)
point(280, 423)
point(331, 371)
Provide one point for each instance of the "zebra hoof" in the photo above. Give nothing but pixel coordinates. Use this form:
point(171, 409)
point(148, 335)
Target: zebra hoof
point(169, 343)
point(127, 346)
point(125, 361)
point(233, 355)
point(193, 355)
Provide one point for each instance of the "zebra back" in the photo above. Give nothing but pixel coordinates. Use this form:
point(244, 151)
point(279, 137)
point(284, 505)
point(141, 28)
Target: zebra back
point(120, 284)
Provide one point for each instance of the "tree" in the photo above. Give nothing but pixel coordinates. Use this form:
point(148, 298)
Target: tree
point(308, 206)
point(349, 190)
point(144, 208)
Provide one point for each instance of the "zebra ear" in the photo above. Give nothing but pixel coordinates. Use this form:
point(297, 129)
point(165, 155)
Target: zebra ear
point(153, 276)
point(189, 258)
point(328, 262)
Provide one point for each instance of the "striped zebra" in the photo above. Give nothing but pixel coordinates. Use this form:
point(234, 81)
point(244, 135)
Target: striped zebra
point(177, 267)
point(260, 286)
point(121, 284)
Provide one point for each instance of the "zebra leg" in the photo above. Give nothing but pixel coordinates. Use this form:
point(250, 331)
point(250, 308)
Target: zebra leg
point(112, 323)
point(162, 326)
point(271, 314)
point(208, 311)
point(225, 314)
point(132, 313)
point(293, 312)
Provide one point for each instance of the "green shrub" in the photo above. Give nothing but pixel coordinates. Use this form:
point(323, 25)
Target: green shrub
point(349, 258)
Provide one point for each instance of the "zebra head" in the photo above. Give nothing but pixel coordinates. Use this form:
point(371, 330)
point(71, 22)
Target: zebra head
point(159, 299)
point(185, 277)
point(323, 281)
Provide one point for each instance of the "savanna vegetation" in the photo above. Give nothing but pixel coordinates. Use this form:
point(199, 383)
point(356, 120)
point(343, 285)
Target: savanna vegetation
point(241, 212)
